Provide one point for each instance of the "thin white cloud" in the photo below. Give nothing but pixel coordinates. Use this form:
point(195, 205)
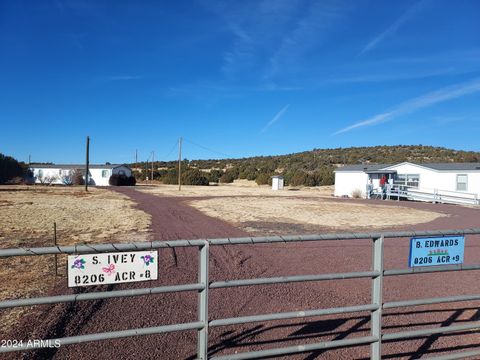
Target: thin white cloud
point(309, 32)
point(255, 27)
point(432, 98)
point(396, 75)
point(275, 118)
point(406, 16)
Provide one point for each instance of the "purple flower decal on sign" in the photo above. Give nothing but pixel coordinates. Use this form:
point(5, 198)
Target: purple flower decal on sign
point(79, 264)
point(147, 259)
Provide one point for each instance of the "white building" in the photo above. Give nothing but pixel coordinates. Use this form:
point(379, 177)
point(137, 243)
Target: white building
point(440, 179)
point(277, 182)
point(60, 174)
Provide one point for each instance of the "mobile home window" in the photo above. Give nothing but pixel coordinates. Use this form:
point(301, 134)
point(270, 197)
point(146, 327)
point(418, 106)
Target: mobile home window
point(412, 180)
point(104, 173)
point(462, 182)
point(40, 173)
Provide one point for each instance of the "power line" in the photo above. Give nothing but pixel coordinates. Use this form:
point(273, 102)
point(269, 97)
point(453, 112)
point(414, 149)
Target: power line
point(208, 149)
point(173, 148)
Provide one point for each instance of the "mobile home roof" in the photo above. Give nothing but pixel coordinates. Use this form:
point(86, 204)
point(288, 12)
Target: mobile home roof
point(433, 166)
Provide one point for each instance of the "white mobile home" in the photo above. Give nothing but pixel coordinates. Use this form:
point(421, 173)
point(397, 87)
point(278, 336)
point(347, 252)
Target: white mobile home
point(59, 174)
point(442, 179)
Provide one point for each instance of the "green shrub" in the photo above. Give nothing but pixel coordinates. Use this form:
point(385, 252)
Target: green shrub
point(299, 178)
point(215, 175)
point(328, 176)
point(263, 179)
point(10, 168)
point(310, 180)
point(249, 173)
point(171, 177)
point(252, 176)
point(227, 178)
point(194, 177)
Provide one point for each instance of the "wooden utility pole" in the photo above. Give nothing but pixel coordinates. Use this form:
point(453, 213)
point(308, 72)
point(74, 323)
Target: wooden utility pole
point(153, 159)
point(87, 163)
point(146, 171)
point(180, 164)
point(136, 157)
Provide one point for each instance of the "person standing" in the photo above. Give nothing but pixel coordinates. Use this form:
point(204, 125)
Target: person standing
point(383, 182)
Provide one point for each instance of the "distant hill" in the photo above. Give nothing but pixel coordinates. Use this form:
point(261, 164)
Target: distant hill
point(310, 168)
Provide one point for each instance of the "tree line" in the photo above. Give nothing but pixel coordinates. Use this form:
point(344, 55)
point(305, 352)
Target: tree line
point(11, 170)
point(309, 168)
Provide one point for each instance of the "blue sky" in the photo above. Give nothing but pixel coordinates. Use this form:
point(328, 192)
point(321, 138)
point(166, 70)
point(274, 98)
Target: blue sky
point(235, 78)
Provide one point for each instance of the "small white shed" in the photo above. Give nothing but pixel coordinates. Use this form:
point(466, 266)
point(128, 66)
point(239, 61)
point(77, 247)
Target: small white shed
point(277, 182)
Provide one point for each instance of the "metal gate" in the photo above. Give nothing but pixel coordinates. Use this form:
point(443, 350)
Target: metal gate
point(203, 286)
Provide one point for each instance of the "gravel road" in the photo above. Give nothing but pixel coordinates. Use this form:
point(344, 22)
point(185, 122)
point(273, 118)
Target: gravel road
point(172, 219)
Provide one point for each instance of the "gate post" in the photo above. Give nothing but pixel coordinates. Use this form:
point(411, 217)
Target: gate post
point(202, 341)
point(377, 298)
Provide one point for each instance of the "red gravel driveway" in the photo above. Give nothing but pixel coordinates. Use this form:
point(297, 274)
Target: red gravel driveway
point(173, 219)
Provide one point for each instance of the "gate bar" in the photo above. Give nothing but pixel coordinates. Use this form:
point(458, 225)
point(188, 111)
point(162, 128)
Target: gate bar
point(430, 301)
point(99, 248)
point(288, 279)
point(455, 356)
point(98, 295)
point(147, 245)
point(105, 336)
point(426, 270)
point(340, 236)
point(298, 348)
point(424, 332)
point(293, 315)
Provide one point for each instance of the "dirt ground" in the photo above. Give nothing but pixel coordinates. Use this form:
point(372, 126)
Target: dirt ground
point(173, 218)
point(238, 188)
point(252, 208)
point(249, 213)
point(27, 215)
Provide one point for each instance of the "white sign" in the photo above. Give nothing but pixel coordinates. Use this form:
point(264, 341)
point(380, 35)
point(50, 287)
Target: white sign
point(112, 268)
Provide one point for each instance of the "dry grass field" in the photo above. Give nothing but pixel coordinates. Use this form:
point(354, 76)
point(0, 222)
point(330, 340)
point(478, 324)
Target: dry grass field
point(239, 188)
point(27, 215)
point(245, 212)
point(252, 207)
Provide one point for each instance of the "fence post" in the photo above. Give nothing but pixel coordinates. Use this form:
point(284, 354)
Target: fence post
point(55, 243)
point(377, 298)
point(202, 344)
